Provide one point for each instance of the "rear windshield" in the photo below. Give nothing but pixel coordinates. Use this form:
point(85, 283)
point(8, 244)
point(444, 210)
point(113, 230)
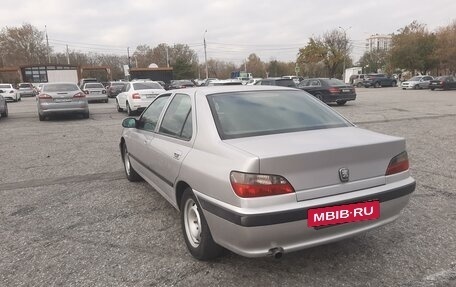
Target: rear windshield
point(146, 86)
point(94, 86)
point(25, 86)
point(49, 88)
point(117, 84)
point(5, 86)
point(334, 82)
point(254, 113)
point(286, 83)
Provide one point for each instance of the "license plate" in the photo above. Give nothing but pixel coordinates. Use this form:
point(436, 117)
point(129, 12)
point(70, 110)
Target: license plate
point(345, 213)
point(345, 91)
point(150, 96)
point(62, 100)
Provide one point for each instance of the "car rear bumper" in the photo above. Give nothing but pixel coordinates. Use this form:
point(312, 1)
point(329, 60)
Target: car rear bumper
point(254, 234)
point(100, 97)
point(338, 98)
point(63, 108)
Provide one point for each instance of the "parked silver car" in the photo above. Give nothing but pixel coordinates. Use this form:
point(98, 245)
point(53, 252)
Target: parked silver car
point(263, 170)
point(61, 98)
point(3, 107)
point(95, 92)
point(26, 90)
point(418, 82)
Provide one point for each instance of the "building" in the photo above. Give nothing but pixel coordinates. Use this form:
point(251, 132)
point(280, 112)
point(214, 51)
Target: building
point(378, 42)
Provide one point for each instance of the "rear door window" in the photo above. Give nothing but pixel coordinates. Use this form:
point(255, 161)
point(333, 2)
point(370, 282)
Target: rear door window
point(177, 121)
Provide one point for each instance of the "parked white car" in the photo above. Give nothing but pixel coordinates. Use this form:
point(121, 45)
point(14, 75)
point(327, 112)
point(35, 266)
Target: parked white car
point(135, 96)
point(418, 82)
point(9, 93)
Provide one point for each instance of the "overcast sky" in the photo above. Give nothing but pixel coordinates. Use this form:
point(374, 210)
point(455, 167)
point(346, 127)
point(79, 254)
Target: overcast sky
point(271, 29)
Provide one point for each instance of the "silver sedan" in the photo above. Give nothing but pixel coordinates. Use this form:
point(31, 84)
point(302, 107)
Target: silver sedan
point(264, 170)
point(61, 98)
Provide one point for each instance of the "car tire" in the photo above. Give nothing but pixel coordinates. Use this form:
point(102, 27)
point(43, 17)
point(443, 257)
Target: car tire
point(432, 89)
point(119, 109)
point(130, 172)
point(359, 85)
point(107, 100)
point(86, 115)
point(377, 85)
point(393, 84)
point(197, 235)
point(129, 111)
point(319, 96)
point(416, 87)
point(5, 113)
point(341, 103)
point(41, 117)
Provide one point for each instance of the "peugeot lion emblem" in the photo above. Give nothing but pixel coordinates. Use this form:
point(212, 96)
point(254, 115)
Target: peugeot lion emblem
point(344, 174)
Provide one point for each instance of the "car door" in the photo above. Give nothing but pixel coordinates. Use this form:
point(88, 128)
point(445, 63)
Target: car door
point(122, 96)
point(138, 139)
point(171, 143)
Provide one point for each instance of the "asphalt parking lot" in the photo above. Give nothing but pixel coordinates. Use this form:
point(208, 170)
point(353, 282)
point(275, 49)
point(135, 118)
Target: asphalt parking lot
point(69, 217)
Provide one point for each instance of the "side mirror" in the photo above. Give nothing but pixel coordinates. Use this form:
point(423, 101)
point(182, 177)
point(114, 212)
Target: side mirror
point(129, 123)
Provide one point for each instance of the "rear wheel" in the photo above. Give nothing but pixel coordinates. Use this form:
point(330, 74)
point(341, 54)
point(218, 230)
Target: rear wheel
point(41, 117)
point(393, 84)
point(129, 111)
point(341, 103)
point(196, 232)
point(86, 115)
point(359, 85)
point(377, 85)
point(132, 175)
point(432, 89)
point(5, 113)
point(416, 87)
point(319, 96)
point(119, 109)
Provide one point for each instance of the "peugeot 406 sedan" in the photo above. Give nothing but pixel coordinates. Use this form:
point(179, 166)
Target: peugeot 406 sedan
point(263, 170)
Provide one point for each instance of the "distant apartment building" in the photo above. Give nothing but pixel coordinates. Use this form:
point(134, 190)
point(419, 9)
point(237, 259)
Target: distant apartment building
point(378, 42)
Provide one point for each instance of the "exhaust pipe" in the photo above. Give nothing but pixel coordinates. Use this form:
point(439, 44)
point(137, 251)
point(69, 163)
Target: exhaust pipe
point(276, 252)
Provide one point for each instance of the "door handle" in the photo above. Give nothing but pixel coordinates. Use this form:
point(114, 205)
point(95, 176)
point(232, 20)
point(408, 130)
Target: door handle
point(177, 154)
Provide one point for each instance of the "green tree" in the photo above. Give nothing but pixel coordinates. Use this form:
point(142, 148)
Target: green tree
point(22, 45)
point(414, 48)
point(255, 66)
point(446, 48)
point(374, 61)
point(331, 50)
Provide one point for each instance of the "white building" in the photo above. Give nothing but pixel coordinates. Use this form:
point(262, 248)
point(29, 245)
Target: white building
point(378, 42)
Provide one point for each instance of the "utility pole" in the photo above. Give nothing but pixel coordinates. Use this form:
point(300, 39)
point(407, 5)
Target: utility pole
point(47, 45)
point(205, 54)
point(68, 55)
point(128, 55)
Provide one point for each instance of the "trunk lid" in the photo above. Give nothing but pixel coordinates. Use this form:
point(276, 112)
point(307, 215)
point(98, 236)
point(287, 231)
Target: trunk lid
point(311, 160)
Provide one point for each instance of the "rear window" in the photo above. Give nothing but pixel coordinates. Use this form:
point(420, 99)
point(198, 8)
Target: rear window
point(25, 85)
point(118, 84)
point(50, 88)
point(5, 86)
point(245, 114)
point(334, 82)
point(285, 83)
point(146, 86)
point(94, 86)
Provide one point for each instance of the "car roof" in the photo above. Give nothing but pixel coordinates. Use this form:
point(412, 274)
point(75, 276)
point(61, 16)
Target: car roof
point(209, 90)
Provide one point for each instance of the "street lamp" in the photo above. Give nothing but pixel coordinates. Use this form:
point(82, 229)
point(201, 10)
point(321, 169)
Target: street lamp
point(345, 49)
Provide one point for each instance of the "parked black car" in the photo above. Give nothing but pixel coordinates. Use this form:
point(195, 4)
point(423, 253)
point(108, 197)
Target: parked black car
point(114, 88)
point(180, 84)
point(443, 82)
point(277, 82)
point(329, 90)
point(3, 107)
point(379, 80)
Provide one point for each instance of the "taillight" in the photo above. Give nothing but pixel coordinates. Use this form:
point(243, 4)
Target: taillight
point(136, 96)
point(256, 185)
point(86, 91)
point(79, 95)
point(44, 97)
point(398, 164)
point(334, 90)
